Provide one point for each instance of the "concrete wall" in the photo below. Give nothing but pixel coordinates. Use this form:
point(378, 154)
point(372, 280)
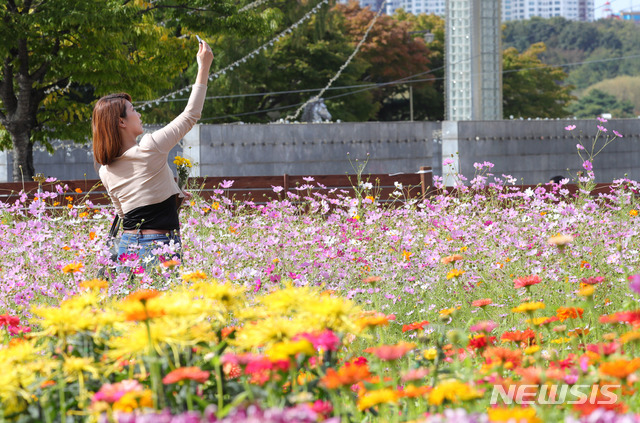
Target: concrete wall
point(532, 151)
point(307, 149)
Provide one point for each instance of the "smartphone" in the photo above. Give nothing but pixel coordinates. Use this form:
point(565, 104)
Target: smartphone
point(199, 39)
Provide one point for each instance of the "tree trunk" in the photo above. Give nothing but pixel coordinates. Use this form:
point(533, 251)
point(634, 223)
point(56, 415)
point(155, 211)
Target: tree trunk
point(22, 157)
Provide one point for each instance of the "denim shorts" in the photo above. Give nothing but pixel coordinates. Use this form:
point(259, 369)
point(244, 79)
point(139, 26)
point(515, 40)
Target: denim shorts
point(143, 245)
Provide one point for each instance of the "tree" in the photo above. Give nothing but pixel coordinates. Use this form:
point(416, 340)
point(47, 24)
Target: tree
point(597, 102)
point(530, 88)
point(57, 56)
point(392, 54)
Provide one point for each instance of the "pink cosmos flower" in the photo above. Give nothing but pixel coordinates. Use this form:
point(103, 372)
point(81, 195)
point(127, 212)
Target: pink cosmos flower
point(617, 134)
point(634, 283)
point(112, 392)
point(601, 128)
point(579, 146)
point(569, 128)
point(587, 165)
point(326, 340)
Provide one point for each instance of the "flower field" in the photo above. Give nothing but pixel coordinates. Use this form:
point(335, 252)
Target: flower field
point(493, 304)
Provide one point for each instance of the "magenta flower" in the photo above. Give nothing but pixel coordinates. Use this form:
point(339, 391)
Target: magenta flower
point(587, 165)
point(579, 146)
point(569, 128)
point(602, 128)
point(618, 134)
point(634, 283)
point(447, 162)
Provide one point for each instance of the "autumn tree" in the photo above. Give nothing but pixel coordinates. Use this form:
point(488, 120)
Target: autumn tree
point(57, 56)
point(392, 54)
point(531, 88)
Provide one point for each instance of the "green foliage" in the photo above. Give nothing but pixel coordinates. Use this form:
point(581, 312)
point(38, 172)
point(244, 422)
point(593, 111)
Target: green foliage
point(69, 52)
point(597, 102)
point(530, 88)
point(597, 50)
point(623, 88)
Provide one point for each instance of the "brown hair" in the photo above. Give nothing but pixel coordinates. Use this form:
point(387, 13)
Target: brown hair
point(104, 124)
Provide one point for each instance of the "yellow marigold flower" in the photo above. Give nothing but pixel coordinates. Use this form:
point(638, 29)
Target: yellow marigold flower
point(537, 321)
point(133, 400)
point(72, 267)
point(448, 311)
point(269, 331)
point(532, 349)
point(528, 307)
point(181, 161)
point(515, 414)
point(74, 366)
point(560, 340)
point(194, 276)
point(406, 254)
point(372, 398)
point(455, 273)
point(430, 354)
point(286, 349)
point(453, 391)
point(586, 291)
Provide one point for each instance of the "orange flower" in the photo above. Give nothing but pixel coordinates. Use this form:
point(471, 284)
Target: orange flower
point(412, 391)
point(391, 352)
point(415, 326)
point(186, 373)
point(143, 314)
point(620, 368)
point(372, 279)
point(482, 302)
point(143, 295)
point(451, 259)
point(94, 284)
point(565, 313)
point(527, 336)
point(348, 375)
point(78, 190)
point(526, 281)
point(375, 319)
point(92, 235)
point(503, 356)
point(72, 267)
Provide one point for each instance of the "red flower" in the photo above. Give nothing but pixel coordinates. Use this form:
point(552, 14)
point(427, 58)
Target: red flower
point(621, 317)
point(186, 373)
point(9, 321)
point(481, 341)
point(391, 352)
point(414, 326)
point(526, 281)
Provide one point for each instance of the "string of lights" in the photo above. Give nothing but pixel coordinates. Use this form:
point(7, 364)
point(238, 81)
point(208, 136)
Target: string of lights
point(343, 67)
point(316, 8)
point(252, 5)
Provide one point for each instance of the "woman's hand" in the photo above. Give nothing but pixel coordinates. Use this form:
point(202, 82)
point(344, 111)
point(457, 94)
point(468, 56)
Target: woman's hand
point(204, 58)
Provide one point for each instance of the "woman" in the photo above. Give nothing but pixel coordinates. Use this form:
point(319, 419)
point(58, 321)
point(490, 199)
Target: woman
point(137, 176)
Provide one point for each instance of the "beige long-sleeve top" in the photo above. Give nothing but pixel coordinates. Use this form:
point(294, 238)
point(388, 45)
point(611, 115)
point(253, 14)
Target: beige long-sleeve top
point(142, 176)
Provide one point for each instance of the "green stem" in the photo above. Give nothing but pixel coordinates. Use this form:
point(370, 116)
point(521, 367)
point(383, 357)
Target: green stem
point(63, 402)
point(216, 363)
